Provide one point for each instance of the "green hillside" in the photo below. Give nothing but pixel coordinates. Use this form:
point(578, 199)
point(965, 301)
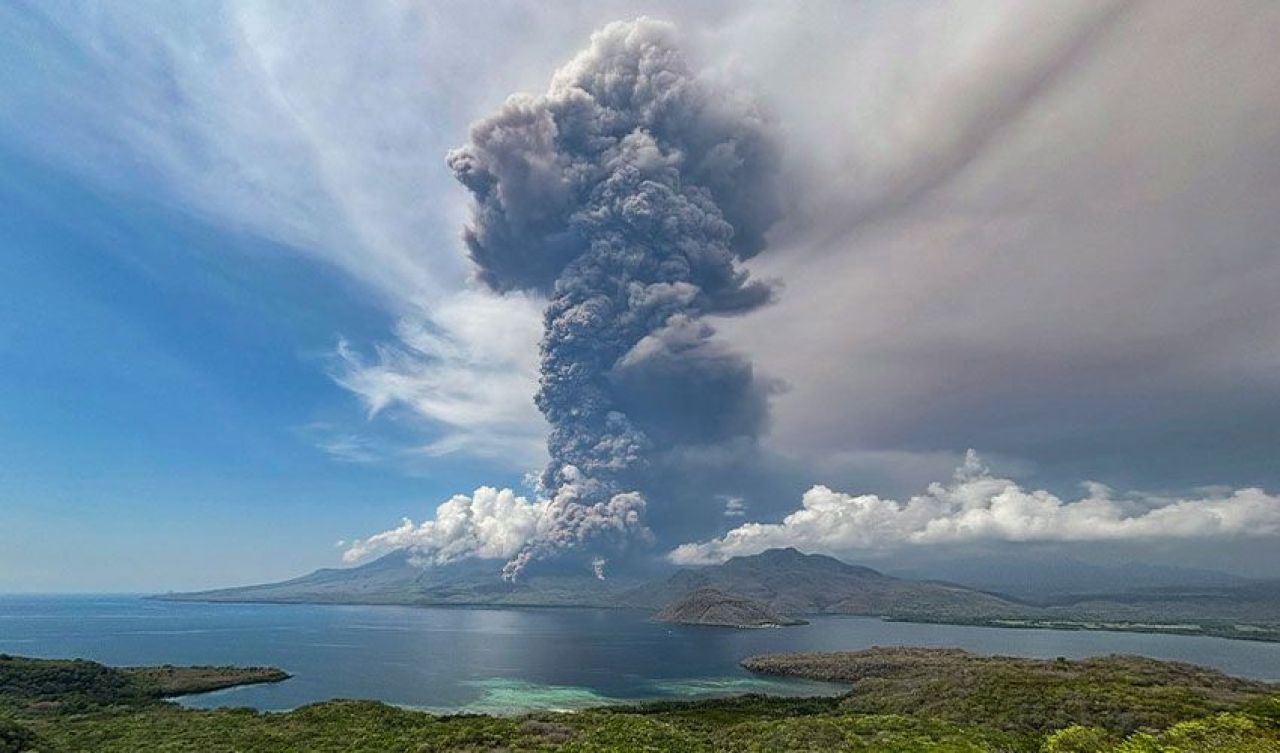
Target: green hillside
point(901, 701)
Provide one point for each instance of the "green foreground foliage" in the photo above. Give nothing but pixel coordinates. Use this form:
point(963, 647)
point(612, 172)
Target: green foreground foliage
point(69, 707)
point(1120, 693)
point(46, 685)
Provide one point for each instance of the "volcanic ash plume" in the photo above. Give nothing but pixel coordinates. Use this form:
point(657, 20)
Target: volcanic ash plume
point(627, 194)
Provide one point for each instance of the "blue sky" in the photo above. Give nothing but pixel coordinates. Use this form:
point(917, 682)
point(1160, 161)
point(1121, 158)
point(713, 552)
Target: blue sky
point(238, 324)
point(169, 415)
point(162, 384)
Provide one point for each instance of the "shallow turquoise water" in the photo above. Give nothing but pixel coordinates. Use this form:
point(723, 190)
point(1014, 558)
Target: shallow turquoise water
point(509, 660)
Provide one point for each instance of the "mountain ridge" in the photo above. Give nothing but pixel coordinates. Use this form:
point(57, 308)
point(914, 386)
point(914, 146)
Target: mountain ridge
point(785, 581)
point(789, 581)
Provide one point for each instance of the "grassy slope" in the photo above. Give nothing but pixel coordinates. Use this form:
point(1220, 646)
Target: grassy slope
point(129, 722)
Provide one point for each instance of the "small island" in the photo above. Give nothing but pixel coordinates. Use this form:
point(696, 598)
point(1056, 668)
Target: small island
point(709, 606)
point(58, 684)
point(169, 681)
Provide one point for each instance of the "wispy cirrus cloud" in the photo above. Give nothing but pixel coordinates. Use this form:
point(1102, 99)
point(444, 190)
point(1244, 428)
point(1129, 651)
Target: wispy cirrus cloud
point(468, 371)
point(261, 117)
point(735, 507)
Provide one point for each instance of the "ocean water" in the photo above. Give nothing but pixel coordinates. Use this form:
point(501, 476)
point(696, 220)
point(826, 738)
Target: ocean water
point(448, 659)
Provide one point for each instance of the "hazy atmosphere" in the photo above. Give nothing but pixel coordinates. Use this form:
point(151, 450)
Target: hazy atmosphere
point(609, 288)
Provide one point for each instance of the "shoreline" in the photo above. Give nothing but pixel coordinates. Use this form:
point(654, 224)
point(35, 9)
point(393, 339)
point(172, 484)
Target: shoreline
point(1257, 634)
point(917, 699)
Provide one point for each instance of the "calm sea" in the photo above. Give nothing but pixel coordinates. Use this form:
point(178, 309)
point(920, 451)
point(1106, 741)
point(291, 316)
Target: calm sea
point(509, 660)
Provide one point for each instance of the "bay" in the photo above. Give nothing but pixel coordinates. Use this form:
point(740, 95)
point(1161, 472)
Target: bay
point(451, 660)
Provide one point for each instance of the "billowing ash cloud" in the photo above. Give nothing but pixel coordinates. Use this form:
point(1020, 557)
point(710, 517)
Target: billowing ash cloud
point(627, 194)
point(977, 506)
point(497, 524)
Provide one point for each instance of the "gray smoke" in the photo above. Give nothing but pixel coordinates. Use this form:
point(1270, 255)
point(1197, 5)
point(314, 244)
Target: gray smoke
point(628, 194)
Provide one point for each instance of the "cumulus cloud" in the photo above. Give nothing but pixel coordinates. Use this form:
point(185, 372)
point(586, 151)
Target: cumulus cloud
point(488, 524)
point(977, 506)
point(499, 525)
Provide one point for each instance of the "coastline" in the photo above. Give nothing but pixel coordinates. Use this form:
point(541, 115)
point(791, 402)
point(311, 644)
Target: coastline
point(1257, 634)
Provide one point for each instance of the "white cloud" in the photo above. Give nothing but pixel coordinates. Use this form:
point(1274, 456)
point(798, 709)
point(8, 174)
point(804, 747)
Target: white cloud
point(735, 507)
point(343, 445)
point(262, 117)
point(977, 506)
point(489, 524)
point(498, 524)
point(469, 367)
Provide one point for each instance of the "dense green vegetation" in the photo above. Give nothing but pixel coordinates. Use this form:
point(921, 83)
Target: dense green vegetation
point(15, 738)
point(167, 681)
point(1120, 693)
point(1105, 616)
point(901, 701)
point(45, 685)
